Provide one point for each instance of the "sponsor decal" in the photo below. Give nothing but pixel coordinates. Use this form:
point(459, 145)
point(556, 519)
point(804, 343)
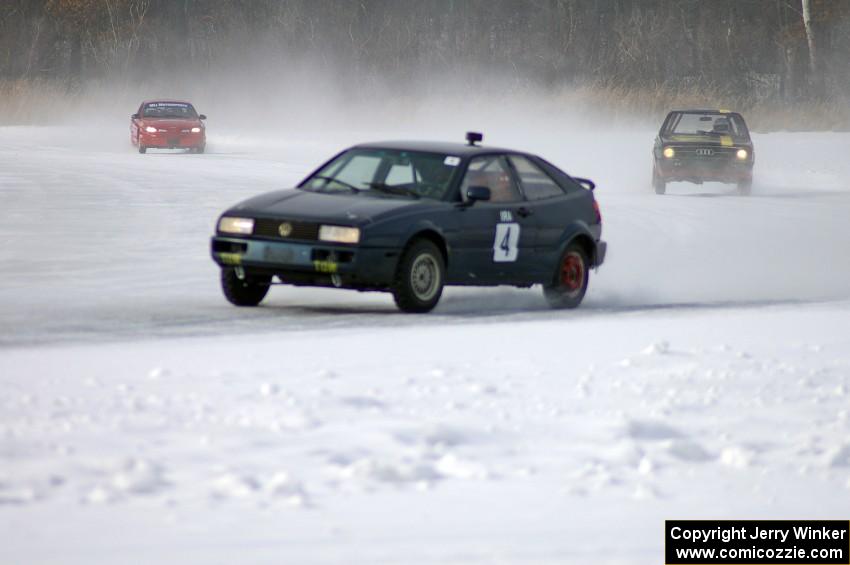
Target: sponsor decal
point(325, 266)
point(230, 258)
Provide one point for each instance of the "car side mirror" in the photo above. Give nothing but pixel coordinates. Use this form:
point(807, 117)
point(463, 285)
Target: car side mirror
point(586, 183)
point(134, 117)
point(476, 193)
point(202, 117)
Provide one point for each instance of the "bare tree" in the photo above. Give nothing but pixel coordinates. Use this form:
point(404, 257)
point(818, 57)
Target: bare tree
point(814, 63)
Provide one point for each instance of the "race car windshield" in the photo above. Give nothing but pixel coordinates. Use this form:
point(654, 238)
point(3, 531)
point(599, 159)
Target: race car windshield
point(386, 172)
point(707, 124)
point(169, 110)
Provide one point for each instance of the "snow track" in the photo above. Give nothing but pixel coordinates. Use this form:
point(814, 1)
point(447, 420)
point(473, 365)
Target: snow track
point(117, 243)
point(706, 376)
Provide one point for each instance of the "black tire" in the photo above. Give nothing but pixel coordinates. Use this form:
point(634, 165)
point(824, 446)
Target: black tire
point(569, 283)
point(199, 149)
point(745, 187)
point(658, 183)
point(142, 148)
point(249, 291)
point(419, 277)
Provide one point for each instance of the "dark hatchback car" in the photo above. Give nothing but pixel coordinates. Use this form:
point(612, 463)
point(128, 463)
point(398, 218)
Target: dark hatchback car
point(411, 217)
point(701, 146)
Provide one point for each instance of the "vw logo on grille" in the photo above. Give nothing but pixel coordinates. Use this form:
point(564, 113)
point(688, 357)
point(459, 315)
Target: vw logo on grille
point(284, 229)
point(705, 152)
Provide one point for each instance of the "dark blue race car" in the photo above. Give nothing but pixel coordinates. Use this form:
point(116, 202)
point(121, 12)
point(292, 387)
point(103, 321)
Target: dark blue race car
point(411, 217)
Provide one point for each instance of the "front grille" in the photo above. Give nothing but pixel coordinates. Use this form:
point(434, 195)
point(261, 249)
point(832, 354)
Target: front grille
point(269, 228)
point(709, 152)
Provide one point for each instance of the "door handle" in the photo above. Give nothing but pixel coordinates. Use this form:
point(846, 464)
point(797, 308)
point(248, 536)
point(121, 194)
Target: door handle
point(524, 212)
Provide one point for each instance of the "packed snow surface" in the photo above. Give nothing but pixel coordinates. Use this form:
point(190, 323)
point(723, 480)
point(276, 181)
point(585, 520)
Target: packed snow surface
point(145, 420)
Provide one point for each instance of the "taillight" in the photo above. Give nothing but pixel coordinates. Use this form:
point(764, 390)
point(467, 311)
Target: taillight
point(598, 213)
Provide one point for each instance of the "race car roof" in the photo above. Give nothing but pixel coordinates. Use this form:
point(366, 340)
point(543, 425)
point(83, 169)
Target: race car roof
point(166, 100)
point(698, 111)
point(435, 147)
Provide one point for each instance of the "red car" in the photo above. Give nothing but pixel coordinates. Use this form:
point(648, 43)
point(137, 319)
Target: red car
point(168, 124)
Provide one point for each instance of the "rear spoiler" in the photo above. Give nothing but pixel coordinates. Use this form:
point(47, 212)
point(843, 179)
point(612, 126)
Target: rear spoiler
point(586, 183)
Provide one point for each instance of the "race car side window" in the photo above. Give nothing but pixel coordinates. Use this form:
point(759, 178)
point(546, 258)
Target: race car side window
point(491, 171)
point(536, 184)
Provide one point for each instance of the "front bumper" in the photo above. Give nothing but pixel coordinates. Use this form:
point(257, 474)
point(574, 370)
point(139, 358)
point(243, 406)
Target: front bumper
point(698, 171)
point(312, 264)
point(601, 250)
point(172, 140)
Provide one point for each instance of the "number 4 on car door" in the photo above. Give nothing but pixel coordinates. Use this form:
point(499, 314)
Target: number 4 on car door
point(506, 242)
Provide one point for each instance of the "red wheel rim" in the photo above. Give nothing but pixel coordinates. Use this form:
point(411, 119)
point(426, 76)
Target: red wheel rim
point(572, 272)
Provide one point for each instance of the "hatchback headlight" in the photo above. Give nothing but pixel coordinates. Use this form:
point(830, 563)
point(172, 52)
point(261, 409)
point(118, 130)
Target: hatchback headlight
point(339, 234)
point(243, 226)
point(196, 130)
point(150, 129)
point(669, 152)
point(742, 154)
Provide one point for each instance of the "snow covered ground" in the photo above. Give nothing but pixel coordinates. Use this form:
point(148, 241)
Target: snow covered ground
point(144, 420)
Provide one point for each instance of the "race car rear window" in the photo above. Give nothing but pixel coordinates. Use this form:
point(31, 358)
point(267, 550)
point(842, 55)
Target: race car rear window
point(536, 184)
point(386, 172)
point(169, 110)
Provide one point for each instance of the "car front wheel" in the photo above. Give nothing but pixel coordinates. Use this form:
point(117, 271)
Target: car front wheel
point(419, 278)
point(142, 148)
point(571, 278)
point(244, 291)
point(745, 187)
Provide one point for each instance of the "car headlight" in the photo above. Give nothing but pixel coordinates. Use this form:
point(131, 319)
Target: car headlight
point(669, 152)
point(196, 130)
point(339, 234)
point(742, 154)
point(243, 226)
point(150, 129)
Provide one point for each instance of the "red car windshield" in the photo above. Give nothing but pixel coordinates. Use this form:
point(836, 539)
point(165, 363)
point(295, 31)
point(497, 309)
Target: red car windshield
point(169, 110)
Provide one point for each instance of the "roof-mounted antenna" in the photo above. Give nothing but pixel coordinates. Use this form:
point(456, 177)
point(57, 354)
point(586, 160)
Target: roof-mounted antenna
point(472, 137)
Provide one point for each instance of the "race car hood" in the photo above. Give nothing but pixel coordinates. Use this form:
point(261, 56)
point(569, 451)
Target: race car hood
point(170, 123)
point(721, 140)
point(303, 205)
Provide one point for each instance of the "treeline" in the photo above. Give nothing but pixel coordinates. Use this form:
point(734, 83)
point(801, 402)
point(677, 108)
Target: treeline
point(787, 50)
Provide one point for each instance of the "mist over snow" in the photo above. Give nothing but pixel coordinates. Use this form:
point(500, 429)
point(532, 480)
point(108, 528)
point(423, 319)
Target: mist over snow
point(102, 236)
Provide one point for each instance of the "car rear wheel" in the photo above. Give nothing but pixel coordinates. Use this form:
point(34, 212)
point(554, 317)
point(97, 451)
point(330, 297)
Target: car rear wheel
point(571, 278)
point(745, 187)
point(658, 182)
point(419, 278)
point(244, 291)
